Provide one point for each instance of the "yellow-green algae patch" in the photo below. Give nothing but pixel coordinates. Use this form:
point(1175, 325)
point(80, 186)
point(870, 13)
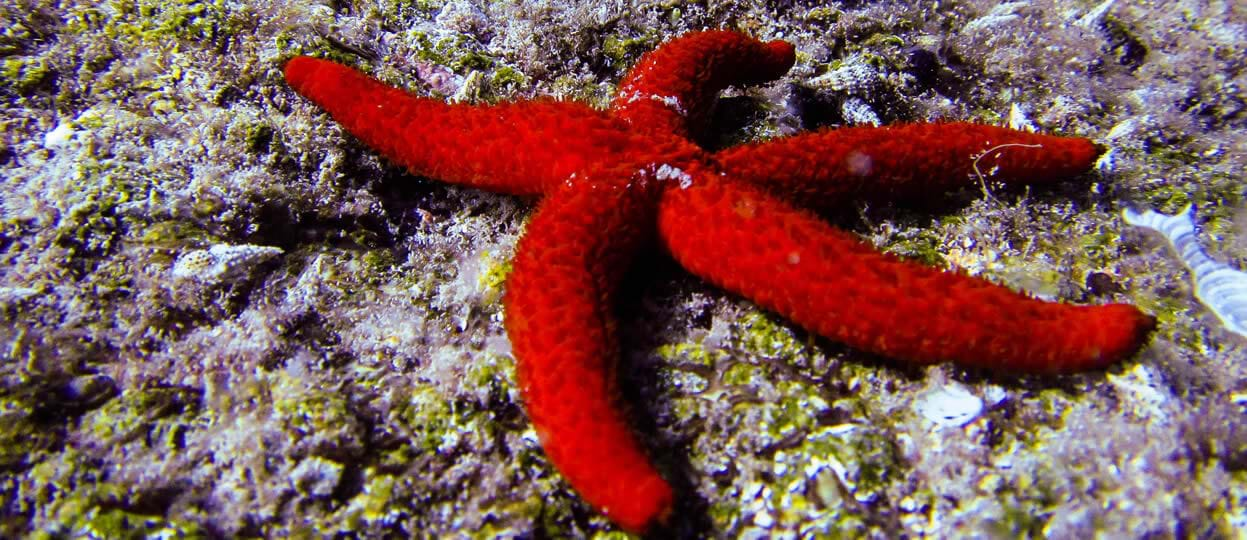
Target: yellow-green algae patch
point(24, 74)
point(691, 352)
point(72, 499)
point(139, 413)
point(623, 51)
point(766, 335)
point(770, 460)
point(77, 504)
point(374, 505)
point(494, 277)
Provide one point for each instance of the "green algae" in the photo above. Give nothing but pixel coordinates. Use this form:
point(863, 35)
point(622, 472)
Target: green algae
point(491, 281)
point(311, 411)
point(823, 14)
point(372, 506)
point(506, 80)
point(24, 439)
point(118, 523)
point(156, 23)
point(435, 424)
point(80, 507)
point(766, 335)
point(137, 413)
point(926, 247)
point(175, 234)
point(695, 353)
point(24, 75)
point(459, 53)
point(805, 493)
point(1230, 509)
point(742, 374)
point(613, 535)
point(780, 431)
point(868, 454)
point(623, 51)
point(491, 375)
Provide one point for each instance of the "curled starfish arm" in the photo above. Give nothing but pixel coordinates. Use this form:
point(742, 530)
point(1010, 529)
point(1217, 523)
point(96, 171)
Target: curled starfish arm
point(673, 87)
point(839, 287)
point(522, 148)
point(558, 304)
point(905, 160)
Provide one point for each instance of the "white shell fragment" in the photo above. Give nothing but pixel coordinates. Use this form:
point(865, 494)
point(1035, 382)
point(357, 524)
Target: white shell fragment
point(950, 405)
point(1095, 17)
point(59, 136)
point(222, 262)
point(1218, 286)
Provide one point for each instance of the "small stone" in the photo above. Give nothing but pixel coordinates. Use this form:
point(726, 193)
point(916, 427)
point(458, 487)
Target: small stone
point(58, 137)
point(950, 405)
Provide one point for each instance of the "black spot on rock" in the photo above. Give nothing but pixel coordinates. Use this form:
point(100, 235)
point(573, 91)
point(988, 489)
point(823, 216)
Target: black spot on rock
point(1101, 284)
point(1122, 44)
point(924, 65)
point(814, 109)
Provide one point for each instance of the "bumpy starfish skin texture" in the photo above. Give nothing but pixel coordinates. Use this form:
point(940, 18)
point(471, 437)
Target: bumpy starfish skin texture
point(615, 181)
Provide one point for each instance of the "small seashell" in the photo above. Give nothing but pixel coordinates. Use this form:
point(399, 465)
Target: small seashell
point(222, 262)
point(951, 405)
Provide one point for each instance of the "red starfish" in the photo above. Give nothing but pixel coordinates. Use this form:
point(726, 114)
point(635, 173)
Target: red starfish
point(615, 180)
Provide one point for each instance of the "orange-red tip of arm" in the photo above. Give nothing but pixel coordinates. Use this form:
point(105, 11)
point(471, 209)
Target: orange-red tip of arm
point(781, 54)
point(299, 70)
point(1129, 325)
point(650, 510)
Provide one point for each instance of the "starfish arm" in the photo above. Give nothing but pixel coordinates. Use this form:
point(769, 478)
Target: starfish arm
point(786, 260)
point(522, 148)
point(906, 160)
point(558, 304)
point(673, 87)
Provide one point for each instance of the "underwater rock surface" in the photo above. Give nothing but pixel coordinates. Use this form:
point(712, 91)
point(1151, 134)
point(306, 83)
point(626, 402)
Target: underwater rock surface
point(223, 316)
